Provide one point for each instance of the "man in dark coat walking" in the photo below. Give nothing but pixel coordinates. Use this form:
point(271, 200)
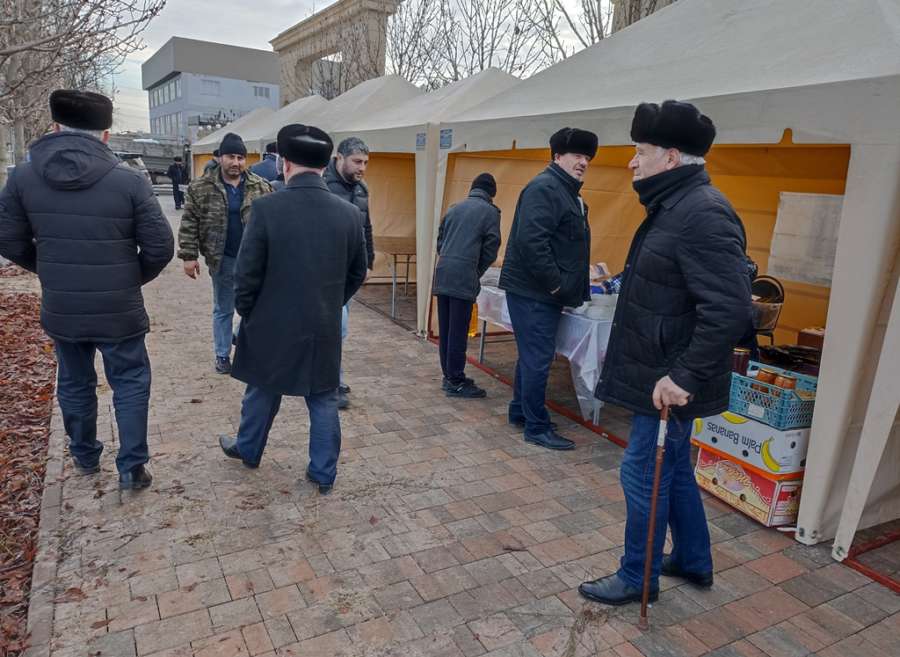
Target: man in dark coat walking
point(684, 302)
point(303, 256)
point(265, 168)
point(178, 175)
point(344, 177)
point(467, 244)
point(545, 268)
point(93, 231)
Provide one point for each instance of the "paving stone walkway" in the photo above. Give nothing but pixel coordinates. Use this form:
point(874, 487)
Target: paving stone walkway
point(445, 536)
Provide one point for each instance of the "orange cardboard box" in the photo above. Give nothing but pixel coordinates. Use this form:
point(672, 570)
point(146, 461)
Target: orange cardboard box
point(772, 502)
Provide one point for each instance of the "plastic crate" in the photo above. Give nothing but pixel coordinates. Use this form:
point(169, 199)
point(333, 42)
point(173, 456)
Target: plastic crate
point(777, 407)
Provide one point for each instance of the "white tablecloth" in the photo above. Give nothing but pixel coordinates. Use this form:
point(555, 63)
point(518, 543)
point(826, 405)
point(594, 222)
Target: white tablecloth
point(581, 340)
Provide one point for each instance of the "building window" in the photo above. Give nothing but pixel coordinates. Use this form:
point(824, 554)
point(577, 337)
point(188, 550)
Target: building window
point(261, 92)
point(177, 87)
point(211, 88)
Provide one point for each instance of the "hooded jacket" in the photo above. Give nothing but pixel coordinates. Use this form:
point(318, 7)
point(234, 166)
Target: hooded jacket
point(93, 231)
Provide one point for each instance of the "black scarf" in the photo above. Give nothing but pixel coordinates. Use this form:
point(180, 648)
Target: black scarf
point(654, 189)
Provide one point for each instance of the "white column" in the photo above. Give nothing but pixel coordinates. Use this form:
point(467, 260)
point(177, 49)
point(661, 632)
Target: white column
point(867, 245)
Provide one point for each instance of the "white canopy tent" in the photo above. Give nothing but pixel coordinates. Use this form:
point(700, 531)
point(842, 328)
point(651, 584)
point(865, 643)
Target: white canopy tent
point(830, 72)
point(412, 127)
point(367, 97)
point(263, 131)
point(211, 142)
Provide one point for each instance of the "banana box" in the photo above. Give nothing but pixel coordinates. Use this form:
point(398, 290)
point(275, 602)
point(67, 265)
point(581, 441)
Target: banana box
point(772, 502)
point(773, 452)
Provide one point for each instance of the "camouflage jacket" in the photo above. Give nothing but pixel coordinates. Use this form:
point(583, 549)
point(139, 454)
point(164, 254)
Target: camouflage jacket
point(204, 224)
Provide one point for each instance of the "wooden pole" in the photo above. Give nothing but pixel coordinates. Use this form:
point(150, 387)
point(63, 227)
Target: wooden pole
point(644, 622)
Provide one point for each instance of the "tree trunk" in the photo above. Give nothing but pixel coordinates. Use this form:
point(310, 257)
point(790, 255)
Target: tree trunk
point(628, 12)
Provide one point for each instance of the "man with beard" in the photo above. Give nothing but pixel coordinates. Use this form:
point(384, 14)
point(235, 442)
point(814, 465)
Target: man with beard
point(302, 259)
point(684, 302)
point(216, 211)
point(545, 268)
point(344, 177)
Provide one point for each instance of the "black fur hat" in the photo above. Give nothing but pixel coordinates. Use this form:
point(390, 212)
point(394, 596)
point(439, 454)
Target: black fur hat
point(84, 110)
point(573, 140)
point(305, 145)
point(271, 147)
point(485, 182)
point(232, 144)
point(673, 124)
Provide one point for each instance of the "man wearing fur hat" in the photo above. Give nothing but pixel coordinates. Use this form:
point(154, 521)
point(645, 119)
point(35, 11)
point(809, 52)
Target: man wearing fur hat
point(215, 213)
point(684, 302)
point(303, 257)
point(546, 268)
point(94, 232)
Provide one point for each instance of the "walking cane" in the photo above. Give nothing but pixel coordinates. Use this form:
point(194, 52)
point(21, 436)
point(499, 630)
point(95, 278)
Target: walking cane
point(643, 622)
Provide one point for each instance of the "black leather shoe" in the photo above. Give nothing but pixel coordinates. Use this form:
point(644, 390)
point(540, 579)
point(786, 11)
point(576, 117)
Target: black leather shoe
point(229, 447)
point(445, 383)
point(465, 390)
point(549, 439)
point(83, 470)
point(135, 479)
point(520, 423)
point(223, 365)
point(343, 401)
point(612, 590)
point(324, 489)
point(701, 580)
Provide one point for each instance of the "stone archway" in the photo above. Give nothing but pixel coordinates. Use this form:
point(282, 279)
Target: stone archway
point(355, 29)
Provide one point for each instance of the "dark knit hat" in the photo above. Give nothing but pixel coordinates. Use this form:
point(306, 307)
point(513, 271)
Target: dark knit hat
point(272, 147)
point(673, 124)
point(216, 153)
point(305, 145)
point(84, 110)
point(573, 140)
point(232, 144)
point(485, 182)
point(177, 158)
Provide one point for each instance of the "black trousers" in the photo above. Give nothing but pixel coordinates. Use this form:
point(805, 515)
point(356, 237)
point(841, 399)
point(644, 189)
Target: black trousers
point(454, 316)
point(179, 196)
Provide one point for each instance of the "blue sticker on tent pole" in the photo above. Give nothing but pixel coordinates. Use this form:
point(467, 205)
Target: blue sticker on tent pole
point(446, 138)
point(420, 141)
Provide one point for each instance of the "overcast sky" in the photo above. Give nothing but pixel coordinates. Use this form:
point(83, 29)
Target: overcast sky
point(235, 22)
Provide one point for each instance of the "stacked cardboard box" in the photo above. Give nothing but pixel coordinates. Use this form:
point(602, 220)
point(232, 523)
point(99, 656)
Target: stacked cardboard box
point(752, 466)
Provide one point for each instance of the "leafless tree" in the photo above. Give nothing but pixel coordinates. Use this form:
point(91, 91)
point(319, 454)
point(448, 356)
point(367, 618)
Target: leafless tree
point(566, 27)
point(628, 12)
point(49, 43)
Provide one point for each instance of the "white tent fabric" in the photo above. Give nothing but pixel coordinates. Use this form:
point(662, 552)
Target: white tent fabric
point(830, 71)
point(259, 133)
point(211, 141)
point(367, 97)
point(412, 127)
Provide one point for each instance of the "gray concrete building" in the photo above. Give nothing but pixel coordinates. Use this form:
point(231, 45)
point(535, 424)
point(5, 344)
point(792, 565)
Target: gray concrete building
point(194, 84)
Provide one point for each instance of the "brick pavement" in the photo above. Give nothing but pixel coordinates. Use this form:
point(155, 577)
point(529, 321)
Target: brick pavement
point(445, 536)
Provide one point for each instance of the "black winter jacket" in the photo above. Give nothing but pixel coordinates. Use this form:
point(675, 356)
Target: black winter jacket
point(358, 195)
point(467, 244)
point(302, 258)
point(93, 231)
point(685, 297)
point(550, 242)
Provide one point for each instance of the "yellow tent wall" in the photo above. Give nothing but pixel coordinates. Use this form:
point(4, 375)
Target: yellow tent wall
point(391, 178)
point(750, 176)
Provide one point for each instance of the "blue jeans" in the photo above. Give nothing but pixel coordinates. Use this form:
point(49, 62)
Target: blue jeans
point(258, 411)
point(535, 324)
point(127, 368)
point(223, 307)
point(345, 320)
point(679, 505)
